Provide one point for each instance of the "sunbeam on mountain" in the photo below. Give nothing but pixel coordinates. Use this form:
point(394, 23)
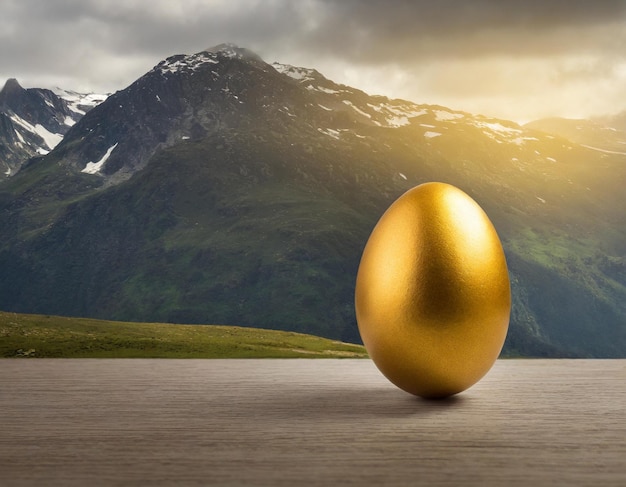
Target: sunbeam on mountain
point(218, 188)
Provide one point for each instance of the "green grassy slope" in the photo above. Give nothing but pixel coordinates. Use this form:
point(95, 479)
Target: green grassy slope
point(263, 224)
point(23, 335)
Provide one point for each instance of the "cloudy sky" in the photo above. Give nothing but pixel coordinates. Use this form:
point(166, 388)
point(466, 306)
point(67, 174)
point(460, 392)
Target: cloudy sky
point(518, 60)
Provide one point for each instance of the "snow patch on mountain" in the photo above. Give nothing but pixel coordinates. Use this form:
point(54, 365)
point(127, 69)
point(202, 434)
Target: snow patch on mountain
point(445, 116)
point(299, 74)
point(328, 91)
point(501, 133)
point(94, 167)
point(79, 103)
point(522, 140)
point(498, 127)
point(51, 140)
point(335, 134)
point(603, 150)
point(357, 109)
point(398, 115)
point(19, 136)
point(186, 64)
point(190, 63)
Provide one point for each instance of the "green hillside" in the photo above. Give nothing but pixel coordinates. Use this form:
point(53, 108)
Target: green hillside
point(245, 196)
point(23, 335)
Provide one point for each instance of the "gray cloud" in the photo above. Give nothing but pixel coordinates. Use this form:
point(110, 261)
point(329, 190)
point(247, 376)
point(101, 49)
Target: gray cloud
point(371, 31)
point(430, 51)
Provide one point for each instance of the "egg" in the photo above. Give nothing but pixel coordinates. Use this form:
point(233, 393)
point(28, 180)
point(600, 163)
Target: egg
point(432, 296)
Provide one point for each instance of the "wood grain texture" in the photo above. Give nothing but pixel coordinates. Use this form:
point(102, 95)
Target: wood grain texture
point(306, 422)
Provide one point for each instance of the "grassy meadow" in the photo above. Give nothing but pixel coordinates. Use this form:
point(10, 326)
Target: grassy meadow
point(23, 335)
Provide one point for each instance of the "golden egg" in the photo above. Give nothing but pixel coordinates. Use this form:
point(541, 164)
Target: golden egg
point(432, 294)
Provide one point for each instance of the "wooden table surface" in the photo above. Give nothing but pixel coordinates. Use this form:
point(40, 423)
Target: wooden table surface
point(306, 422)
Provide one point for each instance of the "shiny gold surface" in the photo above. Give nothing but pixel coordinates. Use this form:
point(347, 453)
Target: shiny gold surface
point(432, 293)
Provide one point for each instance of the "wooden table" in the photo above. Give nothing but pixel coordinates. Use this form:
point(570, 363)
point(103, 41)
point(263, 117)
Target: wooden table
point(306, 422)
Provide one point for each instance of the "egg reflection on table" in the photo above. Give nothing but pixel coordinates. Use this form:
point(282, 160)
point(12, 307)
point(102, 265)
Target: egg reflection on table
point(432, 294)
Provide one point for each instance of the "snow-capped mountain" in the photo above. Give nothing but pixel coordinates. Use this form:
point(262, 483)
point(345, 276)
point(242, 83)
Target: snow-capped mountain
point(188, 97)
point(80, 103)
point(33, 121)
point(218, 188)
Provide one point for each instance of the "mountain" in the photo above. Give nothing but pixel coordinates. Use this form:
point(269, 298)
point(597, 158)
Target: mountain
point(34, 120)
point(605, 134)
point(617, 120)
point(218, 188)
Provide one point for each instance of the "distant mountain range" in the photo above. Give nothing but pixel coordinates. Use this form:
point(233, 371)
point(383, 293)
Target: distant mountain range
point(605, 135)
point(218, 188)
point(33, 121)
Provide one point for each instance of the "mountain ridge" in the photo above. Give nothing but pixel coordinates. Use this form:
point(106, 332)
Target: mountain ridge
point(597, 134)
point(232, 191)
point(35, 120)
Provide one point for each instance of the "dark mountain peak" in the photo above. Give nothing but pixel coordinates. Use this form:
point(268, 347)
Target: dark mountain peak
point(12, 89)
point(12, 85)
point(192, 63)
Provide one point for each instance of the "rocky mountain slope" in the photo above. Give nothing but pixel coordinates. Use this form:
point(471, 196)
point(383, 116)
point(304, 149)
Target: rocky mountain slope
point(34, 120)
point(604, 135)
point(218, 188)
